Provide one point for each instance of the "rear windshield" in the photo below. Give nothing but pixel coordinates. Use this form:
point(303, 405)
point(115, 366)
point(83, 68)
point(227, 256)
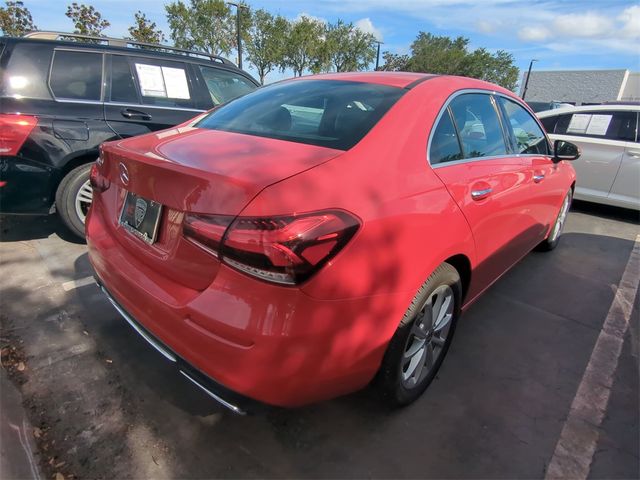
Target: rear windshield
point(327, 113)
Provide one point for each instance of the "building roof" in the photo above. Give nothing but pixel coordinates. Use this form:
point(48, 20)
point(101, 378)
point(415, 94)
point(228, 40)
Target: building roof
point(575, 86)
point(631, 88)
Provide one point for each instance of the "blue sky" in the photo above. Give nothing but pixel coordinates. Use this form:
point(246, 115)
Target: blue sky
point(561, 34)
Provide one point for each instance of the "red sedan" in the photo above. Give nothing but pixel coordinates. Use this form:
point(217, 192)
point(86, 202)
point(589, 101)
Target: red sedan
point(299, 242)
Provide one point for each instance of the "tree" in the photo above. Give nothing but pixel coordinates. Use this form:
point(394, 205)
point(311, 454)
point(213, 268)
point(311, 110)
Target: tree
point(203, 25)
point(145, 30)
point(303, 46)
point(265, 42)
point(394, 62)
point(86, 19)
point(15, 19)
point(444, 55)
point(348, 48)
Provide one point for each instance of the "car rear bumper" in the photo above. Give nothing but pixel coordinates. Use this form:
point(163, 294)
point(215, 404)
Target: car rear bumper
point(236, 403)
point(26, 186)
point(269, 343)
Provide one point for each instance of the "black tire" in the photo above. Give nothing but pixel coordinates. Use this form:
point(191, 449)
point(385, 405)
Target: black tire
point(390, 377)
point(552, 241)
point(66, 198)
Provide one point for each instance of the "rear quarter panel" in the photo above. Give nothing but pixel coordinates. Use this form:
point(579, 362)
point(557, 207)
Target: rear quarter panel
point(410, 224)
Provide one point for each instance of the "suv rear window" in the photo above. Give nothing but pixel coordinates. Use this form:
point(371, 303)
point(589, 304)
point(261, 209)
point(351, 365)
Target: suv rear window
point(327, 113)
point(76, 75)
point(224, 86)
point(27, 71)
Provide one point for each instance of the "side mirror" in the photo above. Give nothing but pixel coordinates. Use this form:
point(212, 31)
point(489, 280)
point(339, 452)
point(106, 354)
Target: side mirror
point(565, 151)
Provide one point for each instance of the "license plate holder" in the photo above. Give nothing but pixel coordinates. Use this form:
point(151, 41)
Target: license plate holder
point(141, 217)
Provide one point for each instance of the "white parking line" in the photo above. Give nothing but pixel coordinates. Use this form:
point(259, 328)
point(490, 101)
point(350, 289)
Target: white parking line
point(579, 437)
point(77, 283)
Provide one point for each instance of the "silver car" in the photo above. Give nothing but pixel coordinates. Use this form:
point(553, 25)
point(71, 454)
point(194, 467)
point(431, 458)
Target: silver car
point(608, 171)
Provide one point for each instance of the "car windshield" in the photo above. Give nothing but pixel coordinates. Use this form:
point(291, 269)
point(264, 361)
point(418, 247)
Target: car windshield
point(328, 113)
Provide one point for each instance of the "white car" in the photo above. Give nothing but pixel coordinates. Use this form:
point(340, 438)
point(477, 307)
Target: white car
point(608, 171)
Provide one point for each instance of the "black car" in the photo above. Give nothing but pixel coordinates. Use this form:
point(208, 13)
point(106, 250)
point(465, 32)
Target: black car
point(62, 95)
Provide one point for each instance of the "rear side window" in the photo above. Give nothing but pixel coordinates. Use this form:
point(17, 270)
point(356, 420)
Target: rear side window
point(76, 75)
point(623, 126)
point(445, 146)
point(163, 83)
point(612, 125)
point(224, 86)
point(27, 71)
point(328, 113)
point(478, 124)
point(123, 87)
point(527, 135)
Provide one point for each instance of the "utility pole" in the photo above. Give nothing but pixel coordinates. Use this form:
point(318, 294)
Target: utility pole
point(378, 55)
point(526, 82)
point(239, 39)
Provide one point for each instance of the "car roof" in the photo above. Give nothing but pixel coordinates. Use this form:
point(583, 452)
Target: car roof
point(160, 51)
point(590, 108)
point(392, 79)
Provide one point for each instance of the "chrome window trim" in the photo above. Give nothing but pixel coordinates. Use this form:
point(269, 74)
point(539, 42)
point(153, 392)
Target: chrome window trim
point(119, 104)
point(492, 157)
point(443, 109)
point(143, 106)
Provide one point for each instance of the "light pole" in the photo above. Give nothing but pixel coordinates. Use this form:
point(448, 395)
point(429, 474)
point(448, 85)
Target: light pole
point(378, 55)
point(526, 82)
point(239, 39)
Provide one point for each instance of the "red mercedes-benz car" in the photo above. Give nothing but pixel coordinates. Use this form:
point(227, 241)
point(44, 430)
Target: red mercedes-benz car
point(298, 242)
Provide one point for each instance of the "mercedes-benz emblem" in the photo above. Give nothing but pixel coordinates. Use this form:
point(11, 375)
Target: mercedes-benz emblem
point(140, 212)
point(124, 173)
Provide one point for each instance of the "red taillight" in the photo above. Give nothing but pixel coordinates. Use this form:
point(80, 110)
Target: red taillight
point(14, 130)
point(281, 249)
point(98, 182)
point(207, 230)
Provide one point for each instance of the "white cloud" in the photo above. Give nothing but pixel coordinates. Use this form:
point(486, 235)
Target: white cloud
point(486, 26)
point(366, 25)
point(589, 25)
point(630, 19)
point(310, 17)
point(534, 34)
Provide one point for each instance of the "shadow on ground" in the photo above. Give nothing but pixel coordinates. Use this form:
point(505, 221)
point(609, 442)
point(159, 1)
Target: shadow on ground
point(112, 403)
point(16, 228)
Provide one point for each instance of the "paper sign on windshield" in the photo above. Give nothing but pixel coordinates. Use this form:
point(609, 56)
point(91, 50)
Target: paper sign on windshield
point(175, 80)
point(151, 81)
point(599, 124)
point(165, 82)
point(579, 123)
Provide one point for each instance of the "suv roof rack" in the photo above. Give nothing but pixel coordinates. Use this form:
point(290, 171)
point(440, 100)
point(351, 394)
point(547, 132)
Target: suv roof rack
point(124, 43)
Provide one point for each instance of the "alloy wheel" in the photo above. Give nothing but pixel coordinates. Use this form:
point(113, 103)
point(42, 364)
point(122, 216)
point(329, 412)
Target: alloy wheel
point(428, 336)
point(562, 217)
point(84, 197)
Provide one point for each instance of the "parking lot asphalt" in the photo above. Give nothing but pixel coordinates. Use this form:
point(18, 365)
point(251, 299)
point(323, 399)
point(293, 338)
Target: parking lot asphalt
point(106, 405)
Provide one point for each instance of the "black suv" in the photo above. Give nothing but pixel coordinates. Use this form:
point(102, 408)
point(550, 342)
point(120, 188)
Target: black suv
point(62, 95)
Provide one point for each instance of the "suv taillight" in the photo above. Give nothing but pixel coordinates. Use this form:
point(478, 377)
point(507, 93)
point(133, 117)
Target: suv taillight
point(14, 131)
point(281, 249)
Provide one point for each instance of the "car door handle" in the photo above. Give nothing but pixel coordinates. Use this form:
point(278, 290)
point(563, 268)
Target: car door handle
point(538, 178)
point(480, 194)
point(634, 154)
point(130, 113)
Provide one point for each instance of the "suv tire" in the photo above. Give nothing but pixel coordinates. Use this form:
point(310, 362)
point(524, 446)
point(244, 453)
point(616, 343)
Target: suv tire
point(72, 199)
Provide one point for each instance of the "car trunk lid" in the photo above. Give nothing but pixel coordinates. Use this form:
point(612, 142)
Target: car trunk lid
point(194, 170)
